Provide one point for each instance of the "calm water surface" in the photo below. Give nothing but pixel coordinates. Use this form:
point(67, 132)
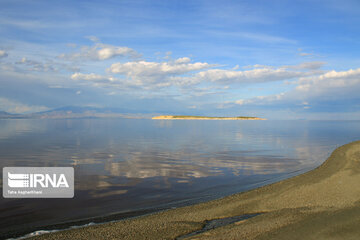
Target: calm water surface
point(126, 165)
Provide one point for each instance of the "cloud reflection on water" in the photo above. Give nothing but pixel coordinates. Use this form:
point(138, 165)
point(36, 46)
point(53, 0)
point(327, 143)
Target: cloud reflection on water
point(126, 164)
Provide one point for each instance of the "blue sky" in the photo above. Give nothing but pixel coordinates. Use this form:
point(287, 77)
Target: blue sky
point(273, 59)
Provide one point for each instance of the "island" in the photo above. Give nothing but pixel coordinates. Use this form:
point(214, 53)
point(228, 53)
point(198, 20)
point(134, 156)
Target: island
point(185, 117)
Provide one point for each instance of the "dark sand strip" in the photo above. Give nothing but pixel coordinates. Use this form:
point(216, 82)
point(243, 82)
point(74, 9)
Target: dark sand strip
point(321, 204)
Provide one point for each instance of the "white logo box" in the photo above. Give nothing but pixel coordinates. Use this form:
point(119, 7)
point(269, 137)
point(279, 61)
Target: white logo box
point(38, 182)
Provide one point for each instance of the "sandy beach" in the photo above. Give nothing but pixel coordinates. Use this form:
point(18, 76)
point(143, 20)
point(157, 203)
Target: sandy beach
point(321, 204)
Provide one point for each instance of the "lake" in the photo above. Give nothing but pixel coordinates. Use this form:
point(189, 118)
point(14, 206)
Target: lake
point(128, 167)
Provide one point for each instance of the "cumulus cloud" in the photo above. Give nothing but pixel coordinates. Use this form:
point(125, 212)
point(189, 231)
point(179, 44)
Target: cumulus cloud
point(173, 72)
point(92, 77)
point(100, 51)
point(261, 100)
point(182, 60)
point(250, 76)
point(157, 73)
point(331, 81)
point(3, 54)
point(148, 69)
point(256, 75)
point(183, 73)
point(142, 74)
point(11, 106)
point(253, 66)
point(98, 80)
point(330, 86)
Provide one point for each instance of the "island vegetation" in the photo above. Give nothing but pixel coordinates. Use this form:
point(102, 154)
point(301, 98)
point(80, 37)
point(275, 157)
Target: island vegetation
point(186, 117)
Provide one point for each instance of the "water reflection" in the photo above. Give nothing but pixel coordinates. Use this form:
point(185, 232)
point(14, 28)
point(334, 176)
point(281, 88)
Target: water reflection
point(13, 128)
point(125, 164)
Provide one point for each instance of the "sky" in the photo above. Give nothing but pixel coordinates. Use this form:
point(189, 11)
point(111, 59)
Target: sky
point(273, 59)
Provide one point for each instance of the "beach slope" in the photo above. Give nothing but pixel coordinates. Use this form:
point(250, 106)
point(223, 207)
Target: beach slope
point(321, 204)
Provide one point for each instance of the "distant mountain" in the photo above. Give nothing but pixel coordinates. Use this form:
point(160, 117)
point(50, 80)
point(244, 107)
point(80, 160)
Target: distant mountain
point(83, 112)
point(4, 114)
point(73, 109)
point(79, 109)
point(86, 112)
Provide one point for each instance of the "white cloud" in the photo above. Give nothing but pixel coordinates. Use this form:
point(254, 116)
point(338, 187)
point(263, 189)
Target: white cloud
point(100, 51)
point(240, 102)
point(93, 38)
point(266, 38)
point(143, 74)
point(182, 60)
point(3, 54)
point(250, 76)
point(303, 54)
point(329, 82)
point(301, 66)
point(331, 85)
point(107, 52)
point(183, 73)
point(261, 100)
point(258, 37)
point(37, 66)
point(103, 81)
point(92, 77)
point(25, 24)
point(143, 68)
point(11, 106)
point(258, 74)
point(337, 75)
point(308, 65)
point(256, 66)
point(158, 74)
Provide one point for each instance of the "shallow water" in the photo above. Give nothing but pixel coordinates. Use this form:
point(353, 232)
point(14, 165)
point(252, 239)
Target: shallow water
point(126, 166)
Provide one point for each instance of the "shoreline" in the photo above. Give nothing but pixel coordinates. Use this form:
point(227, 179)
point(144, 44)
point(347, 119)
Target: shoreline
point(325, 199)
point(116, 217)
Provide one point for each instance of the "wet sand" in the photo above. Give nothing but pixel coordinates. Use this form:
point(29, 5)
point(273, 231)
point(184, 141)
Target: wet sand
point(321, 204)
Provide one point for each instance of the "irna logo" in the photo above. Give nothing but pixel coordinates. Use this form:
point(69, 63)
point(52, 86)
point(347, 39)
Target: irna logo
point(38, 182)
point(18, 180)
